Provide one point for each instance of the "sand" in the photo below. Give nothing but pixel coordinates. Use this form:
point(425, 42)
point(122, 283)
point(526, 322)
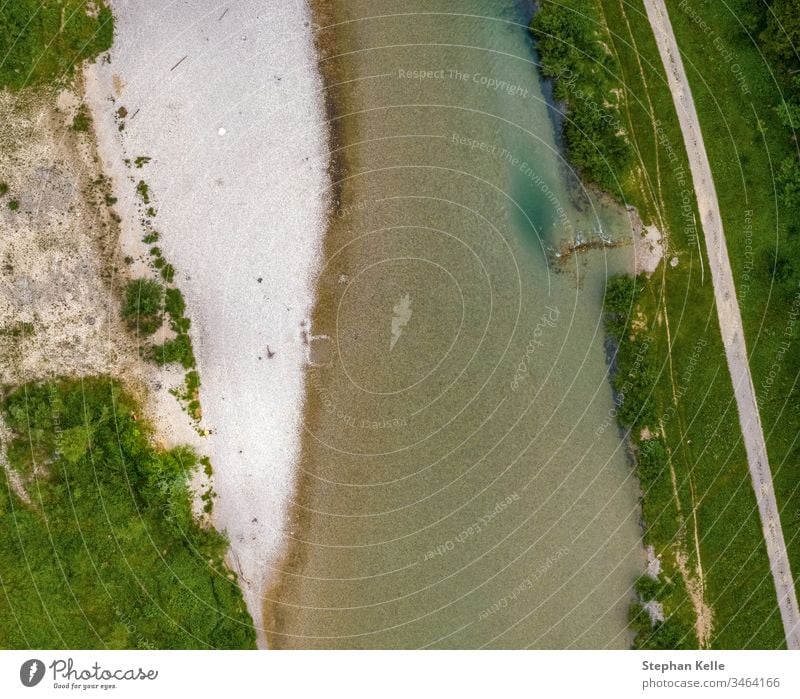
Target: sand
point(227, 102)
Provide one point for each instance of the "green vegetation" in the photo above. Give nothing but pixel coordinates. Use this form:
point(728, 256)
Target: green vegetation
point(178, 350)
point(82, 122)
point(672, 386)
point(143, 305)
point(665, 635)
point(634, 377)
point(141, 161)
point(42, 41)
point(176, 307)
point(3, 188)
point(104, 551)
point(635, 384)
point(693, 397)
point(144, 191)
point(746, 105)
point(168, 273)
point(13, 204)
point(585, 76)
point(151, 237)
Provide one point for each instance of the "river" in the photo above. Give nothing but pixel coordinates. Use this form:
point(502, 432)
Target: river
point(462, 483)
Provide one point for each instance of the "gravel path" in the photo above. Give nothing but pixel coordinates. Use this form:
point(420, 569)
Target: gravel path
point(730, 319)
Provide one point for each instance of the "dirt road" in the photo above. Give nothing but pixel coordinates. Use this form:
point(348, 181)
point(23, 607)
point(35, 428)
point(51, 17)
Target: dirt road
point(730, 319)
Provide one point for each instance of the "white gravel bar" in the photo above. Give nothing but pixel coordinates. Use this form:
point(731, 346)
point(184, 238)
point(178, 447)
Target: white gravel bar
point(226, 99)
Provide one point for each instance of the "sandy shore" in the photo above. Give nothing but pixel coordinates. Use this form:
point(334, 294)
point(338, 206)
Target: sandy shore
point(226, 101)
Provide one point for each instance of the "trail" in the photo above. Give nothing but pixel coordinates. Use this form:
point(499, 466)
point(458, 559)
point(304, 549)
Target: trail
point(730, 320)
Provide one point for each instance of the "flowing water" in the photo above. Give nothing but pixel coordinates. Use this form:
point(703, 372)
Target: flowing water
point(463, 483)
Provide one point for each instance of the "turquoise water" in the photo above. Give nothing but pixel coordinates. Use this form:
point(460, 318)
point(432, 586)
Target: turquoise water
point(463, 484)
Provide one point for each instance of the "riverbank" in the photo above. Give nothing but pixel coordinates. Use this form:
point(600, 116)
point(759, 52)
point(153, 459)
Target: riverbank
point(698, 505)
point(226, 142)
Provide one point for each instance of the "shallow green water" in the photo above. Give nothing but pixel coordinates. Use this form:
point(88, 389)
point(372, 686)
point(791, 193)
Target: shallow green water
point(463, 484)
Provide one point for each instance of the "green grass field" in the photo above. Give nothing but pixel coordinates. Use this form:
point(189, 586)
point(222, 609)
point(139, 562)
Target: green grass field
point(42, 41)
point(103, 551)
point(699, 510)
point(737, 100)
point(711, 479)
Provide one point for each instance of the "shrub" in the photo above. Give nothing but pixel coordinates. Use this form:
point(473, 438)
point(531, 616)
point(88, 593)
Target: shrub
point(142, 307)
point(178, 350)
point(647, 587)
point(652, 460)
point(110, 531)
point(168, 272)
point(175, 304)
point(81, 121)
point(144, 191)
point(570, 35)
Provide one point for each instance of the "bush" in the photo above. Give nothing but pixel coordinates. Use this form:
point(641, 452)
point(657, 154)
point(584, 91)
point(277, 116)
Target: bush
point(570, 35)
point(634, 378)
point(176, 307)
point(142, 307)
point(175, 303)
point(82, 121)
point(622, 293)
point(168, 273)
point(143, 191)
point(178, 351)
point(109, 532)
point(669, 634)
point(652, 460)
point(647, 587)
